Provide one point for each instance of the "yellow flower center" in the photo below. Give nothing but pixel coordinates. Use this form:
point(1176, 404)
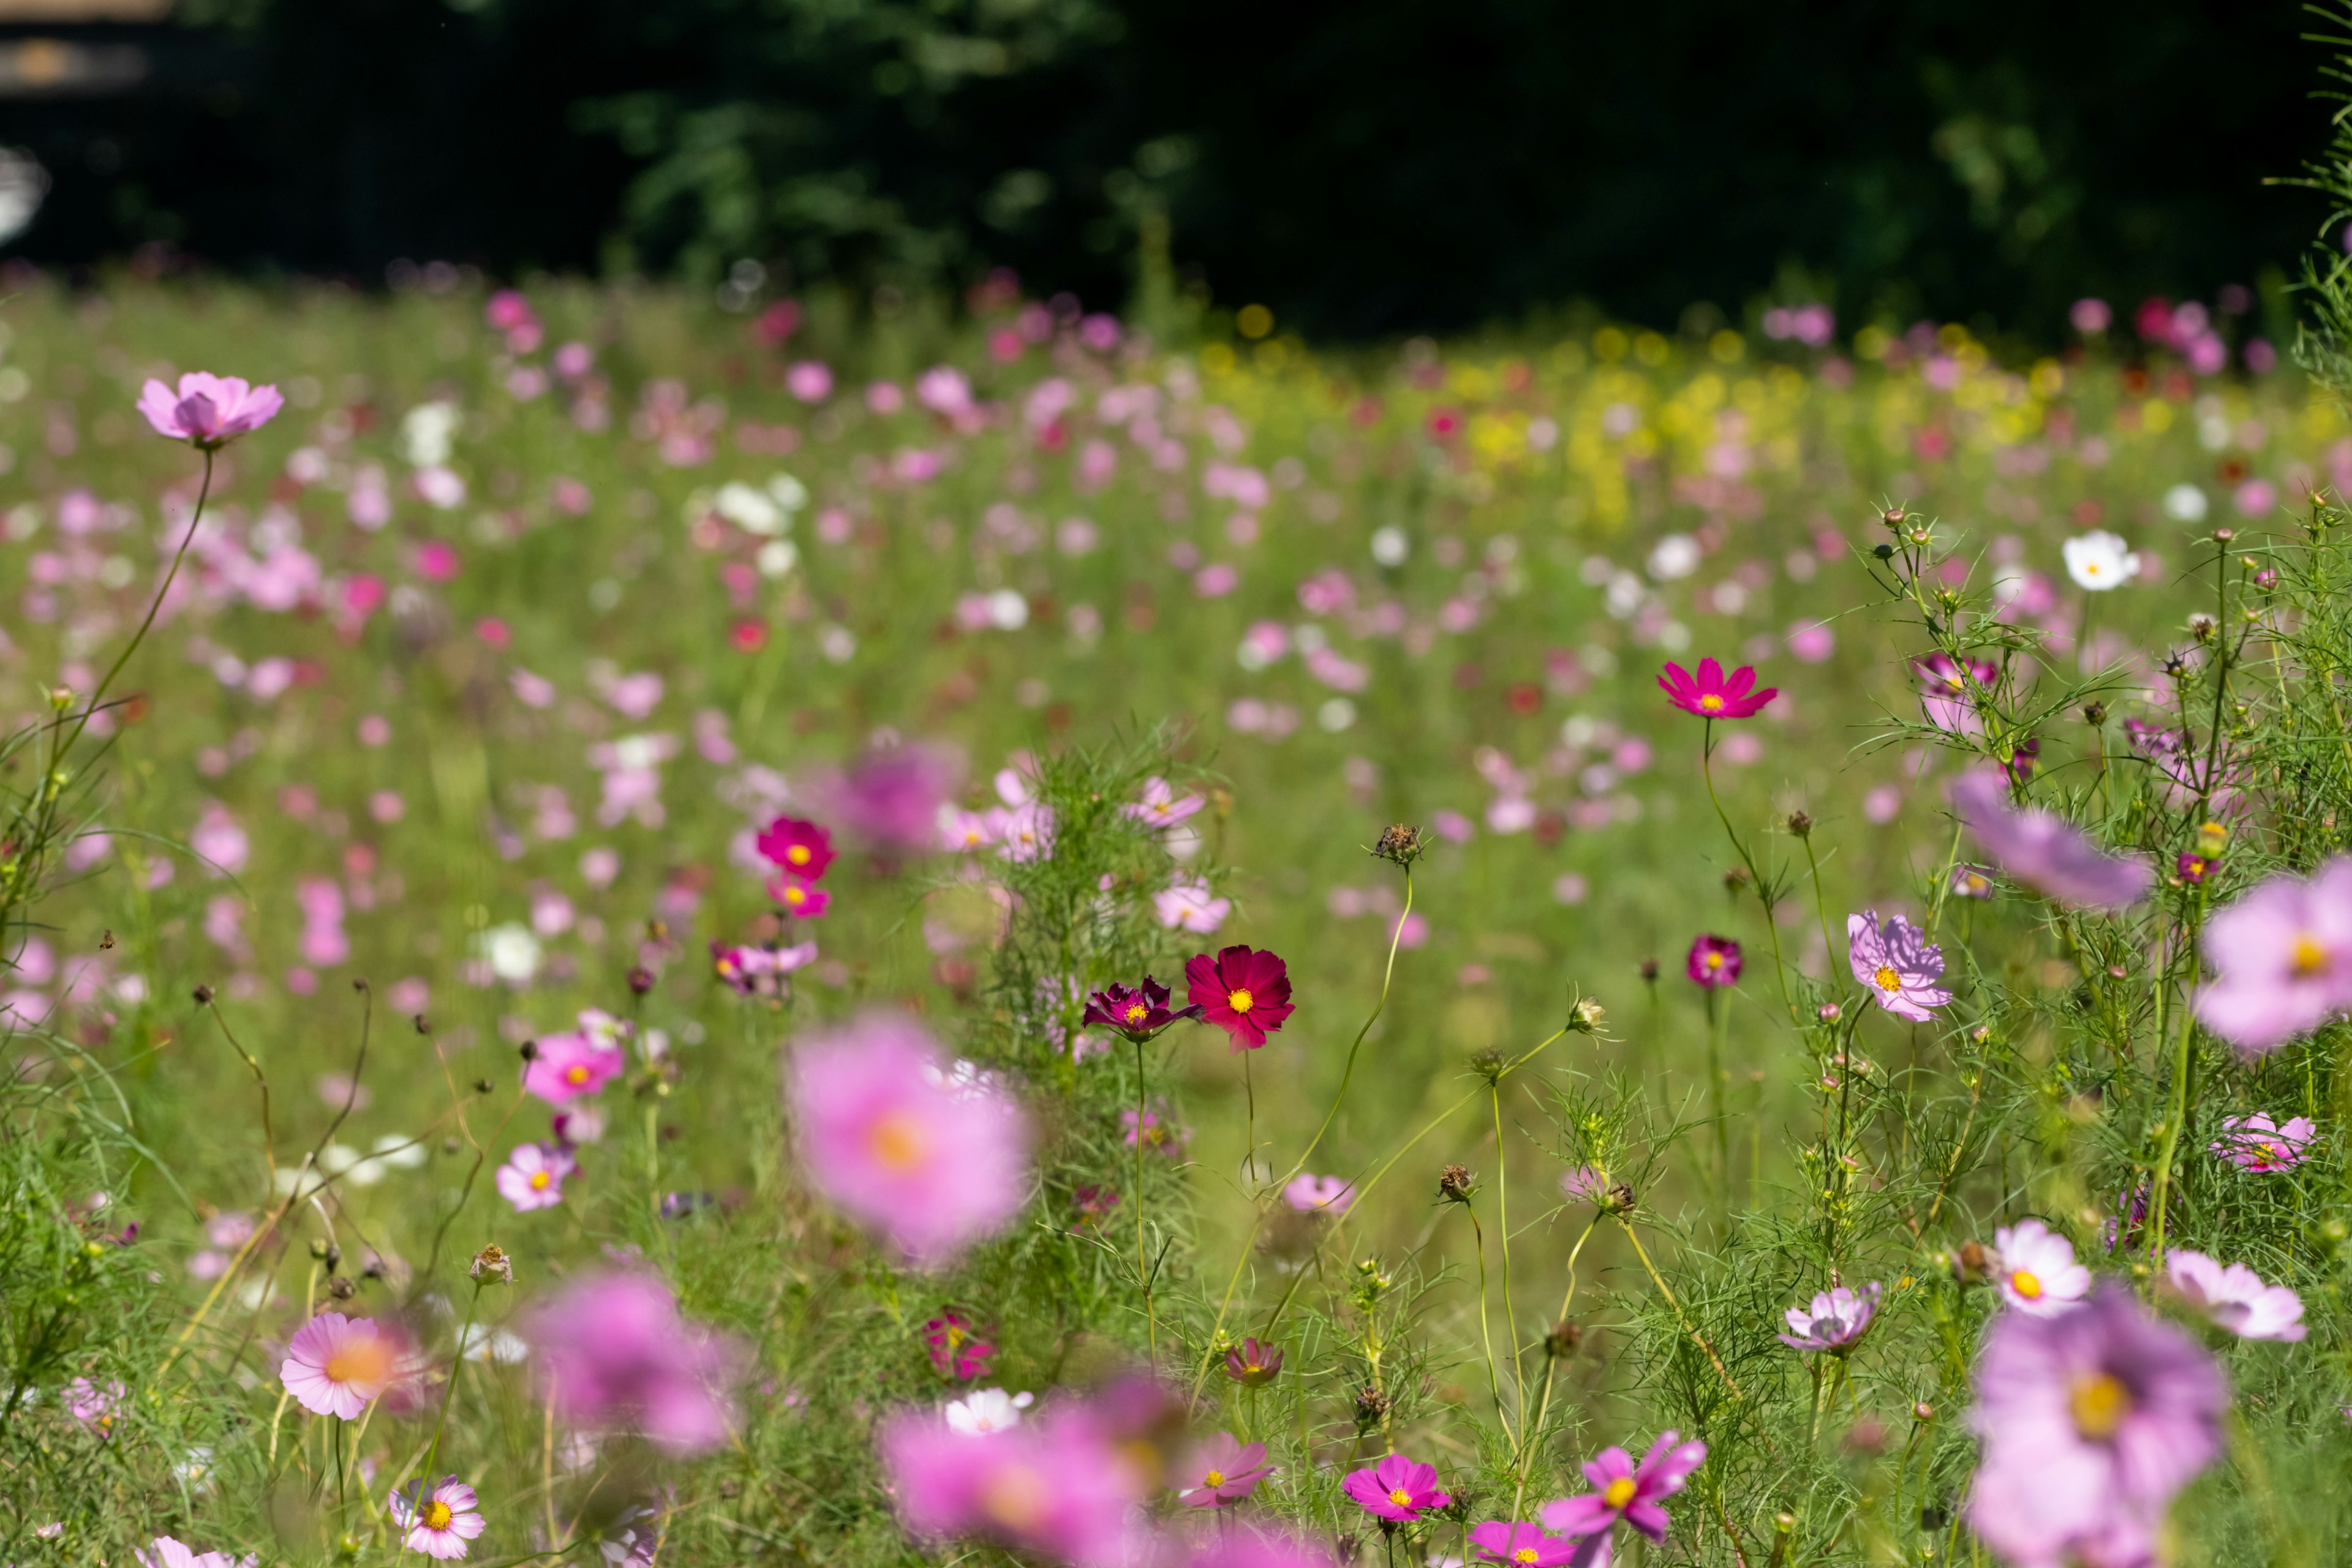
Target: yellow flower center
point(436, 1515)
point(1710, 703)
point(1714, 961)
point(794, 897)
point(2310, 958)
point(1137, 1012)
point(798, 855)
point(1253, 1367)
point(2267, 1150)
point(540, 1181)
point(576, 1074)
point(1619, 1492)
point(899, 1141)
point(1213, 1478)
point(1240, 1000)
point(365, 1360)
point(1401, 1498)
point(2098, 1403)
point(2026, 1283)
point(1887, 979)
point(1523, 1554)
point(1015, 1497)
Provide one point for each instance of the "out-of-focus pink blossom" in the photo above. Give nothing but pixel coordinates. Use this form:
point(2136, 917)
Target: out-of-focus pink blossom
point(2043, 850)
point(208, 410)
point(615, 1353)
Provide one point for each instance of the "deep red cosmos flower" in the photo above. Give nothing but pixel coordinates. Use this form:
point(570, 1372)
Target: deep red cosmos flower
point(1138, 1013)
point(801, 847)
point(1710, 696)
point(1243, 992)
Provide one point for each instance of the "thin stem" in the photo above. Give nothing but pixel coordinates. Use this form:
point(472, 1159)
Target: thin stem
point(1142, 1274)
point(1680, 1316)
point(1529, 1431)
point(1503, 1240)
point(1486, 1332)
point(2172, 1124)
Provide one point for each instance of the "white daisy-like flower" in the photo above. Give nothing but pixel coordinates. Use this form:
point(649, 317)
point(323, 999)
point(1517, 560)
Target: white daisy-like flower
point(2100, 561)
point(986, 1410)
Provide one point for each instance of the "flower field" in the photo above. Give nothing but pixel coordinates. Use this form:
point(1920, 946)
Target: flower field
point(639, 934)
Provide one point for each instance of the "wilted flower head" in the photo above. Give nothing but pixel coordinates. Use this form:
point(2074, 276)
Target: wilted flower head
point(1835, 1322)
point(1710, 695)
point(491, 1266)
point(2257, 1143)
point(2043, 850)
point(1245, 992)
point(1712, 962)
point(1397, 1488)
point(1898, 964)
point(1399, 844)
point(615, 1353)
point(2037, 1274)
point(2233, 1297)
point(208, 410)
point(2284, 956)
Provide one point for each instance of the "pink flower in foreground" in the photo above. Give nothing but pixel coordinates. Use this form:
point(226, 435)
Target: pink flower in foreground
point(1243, 991)
point(2284, 956)
point(1397, 1488)
point(1222, 1470)
point(533, 1177)
point(1521, 1545)
point(889, 1137)
point(163, 1552)
point(2038, 1272)
point(1714, 961)
point(2260, 1145)
point(2233, 1297)
point(2043, 850)
point(439, 1522)
point(208, 410)
point(573, 1064)
point(2091, 1422)
point(1898, 964)
point(1057, 1487)
point(615, 1353)
point(1710, 695)
point(338, 1366)
point(1247, 1546)
point(1627, 1493)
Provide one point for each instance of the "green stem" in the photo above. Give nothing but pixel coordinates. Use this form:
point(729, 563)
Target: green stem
point(1142, 1272)
point(2172, 1124)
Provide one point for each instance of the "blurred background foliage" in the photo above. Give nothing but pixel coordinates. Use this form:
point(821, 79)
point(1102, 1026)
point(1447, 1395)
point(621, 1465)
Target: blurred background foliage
point(1366, 169)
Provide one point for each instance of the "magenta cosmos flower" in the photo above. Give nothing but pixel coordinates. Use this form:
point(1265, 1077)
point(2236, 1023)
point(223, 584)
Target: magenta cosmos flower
point(2233, 1297)
point(1898, 964)
point(2285, 954)
point(2044, 851)
point(956, 1347)
point(1222, 1470)
point(800, 847)
point(1252, 1364)
point(1249, 1547)
point(2259, 1145)
point(1835, 1322)
point(208, 410)
point(1397, 1488)
point(1311, 1193)
point(1244, 992)
point(891, 797)
point(338, 1366)
point(533, 1177)
point(802, 900)
point(1710, 696)
point(2091, 1422)
point(1521, 1545)
point(1626, 1491)
point(889, 1137)
point(615, 1353)
point(439, 1522)
point(578, 1062)
point(164, 1551)
point(2039, 1274)
point(1714, 961)
point(1948, 688)
point(1138, 1013)
point(1057, 1487)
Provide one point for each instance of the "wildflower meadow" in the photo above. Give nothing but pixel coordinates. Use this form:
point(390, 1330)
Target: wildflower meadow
point(982, 931)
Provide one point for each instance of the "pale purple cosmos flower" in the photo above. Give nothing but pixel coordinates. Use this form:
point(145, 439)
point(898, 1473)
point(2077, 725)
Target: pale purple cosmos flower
point(2260, 1145)
point(1192, 907)
point(1311, 1193)
point(533, 1177)
point(208, 410)
point(615, 1353)
point(1626, 1493)
point(2233, 1297)
point(1161, 806)
point(164, 1551)
point(2285, 954)
point(2038, 1272)
point(1058, 1487)
point(1835, 1322)
point(2091, 1422)
point(1521, 1545)
point(891, 797)
point(2044, 851)
point(439, 1522)
point(1222, 1470)
point(94, 1404)
point(933, 1166)
point(1898, 964)
point(1397, 1488)
point(338, 1366)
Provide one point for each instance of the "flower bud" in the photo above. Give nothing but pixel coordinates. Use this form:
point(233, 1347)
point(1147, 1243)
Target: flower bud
point(1586, 1015)
point(1801, 826)
point(491, 1266)
point(2211, 840)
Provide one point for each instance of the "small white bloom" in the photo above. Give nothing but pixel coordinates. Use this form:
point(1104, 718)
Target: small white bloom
point(2185, 503)
point(777, 558)
point(426, 431)
point(1390, 546)
point(753, 511)
point(2038, 1271)
point(1676, 555)
point(512, 952)
point(986, 1410)
point(2100, 561)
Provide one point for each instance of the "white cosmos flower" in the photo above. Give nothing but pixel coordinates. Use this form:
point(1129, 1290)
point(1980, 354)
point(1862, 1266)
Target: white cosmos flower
point(2100, 561)
point(986, 1410)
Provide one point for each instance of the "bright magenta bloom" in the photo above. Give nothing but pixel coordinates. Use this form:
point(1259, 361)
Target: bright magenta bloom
point(1397, 1488)
point(533, 1177)
point(1223, 1471)
point(1710, 696)
point(1521, 1545)
point(2285, 954)
point(1714, 961)
point(1898, 964)
point(2234, 1297)
point(1057, 1487)
point(208, 410)
point(956, 1348)
point(1253, 1364)
point(2260, 1145)
point(1948, 694)
point(800, 847)
point(888, 1136)
point(578, 1062)
point(1244, 992)
point(802, 900)
point(2091, 1422)
point(2043, 850)
point(338, 1366)
point(1626, 1493)
point(439, 1522)
point(166, 1552)
point(615, 1353)
point(1138, 1013)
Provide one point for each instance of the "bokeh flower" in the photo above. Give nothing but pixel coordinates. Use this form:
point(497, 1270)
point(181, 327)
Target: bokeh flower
point(1897, 962)
point(2100, 561)
point(1161, 806)
point(1243, 991)
point(2043, 850)
point(164, 1551)
point(985, 1410)
point(2233, 1297)
point(2283, 957)
point(615, 1353)
point(1191, 907)
point(338, 1366)
point(955, 1346)
point(802, 900)
point(2038, 1272)
point(533, 1177)
point(1252, 1364)
point(1057, 1487)
point(1836, 1320)
point(1710, 695)
point(577, 1062)
point(1311, 1193)
point(1222, 1470)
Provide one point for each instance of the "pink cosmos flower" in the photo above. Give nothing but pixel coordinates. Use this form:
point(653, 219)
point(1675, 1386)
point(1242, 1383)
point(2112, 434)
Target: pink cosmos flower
point(1311, 1193)
point(956, 1347)
point(2257, 1143)
point(1161, 806)
point(2039, 1274)
point(615, 1352)
point(891, 797)
point(1711, 695)
point(800, 900)
point(1026, 833)
point(759, 970)
point(1057, 1487)
point(2044, 851)
point(1191, 907)
point(338, 1366)
point(1253, 1364)
point(1223, 1471)
point(1626, 1493)
point(1397, 1488)
point(1898, 964)
point(966, 831)
point(94, 1404)
point(1948, 689)
point(573, 1064)
point(533, 1177)
point(2090, 1423)
point(207, 411)
point(439, 1522)
point(163, 1552)
point(1714, 961)
point(2233, 1297)
point(1250, 1546)
point(1521, 1545)
point(1244, 992)
point(889, 1137)
point(2284, 956)
point(800, 847)
point(1836, 1320)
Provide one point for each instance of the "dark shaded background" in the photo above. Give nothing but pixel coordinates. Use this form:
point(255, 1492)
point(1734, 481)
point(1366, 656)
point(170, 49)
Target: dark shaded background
point(1363, 168)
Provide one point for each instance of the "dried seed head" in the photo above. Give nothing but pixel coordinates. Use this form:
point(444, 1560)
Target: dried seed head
point(530, 1050)
point(1562, 1340)
point(2095, 715)
point(640, 980)
point(1371, 1408)
point(1650, 970)
point(491, 1266)
point(1620, 1199)
point(1455, 1184)
point(1801, 826)
point(1399, 845)
point(341, 1289)
point(421, 1026)
point(203, 995)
